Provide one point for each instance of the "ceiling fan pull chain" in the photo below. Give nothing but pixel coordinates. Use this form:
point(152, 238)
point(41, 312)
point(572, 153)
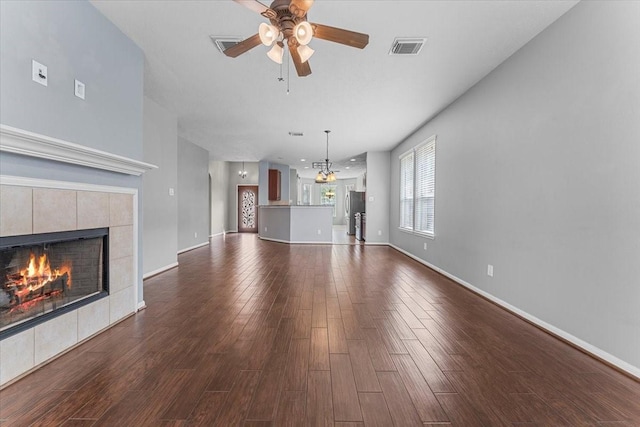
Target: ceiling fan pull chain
point(288, 68)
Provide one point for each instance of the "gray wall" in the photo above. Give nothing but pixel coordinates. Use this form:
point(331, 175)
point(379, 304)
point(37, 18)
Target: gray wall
point(160, 211)
point(537, 174)
point(193, 195)
point(74, 41)
point(232, 189)
point(219, 173)
point(378, 170)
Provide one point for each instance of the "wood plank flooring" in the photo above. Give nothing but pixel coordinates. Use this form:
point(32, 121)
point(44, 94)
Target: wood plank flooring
point(253, 333)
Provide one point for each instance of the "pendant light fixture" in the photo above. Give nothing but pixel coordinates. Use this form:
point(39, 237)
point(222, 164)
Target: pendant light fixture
point(243, 172)
point(325, 174)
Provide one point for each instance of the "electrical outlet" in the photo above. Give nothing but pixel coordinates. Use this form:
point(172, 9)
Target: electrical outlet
point(425, 246)
point(490, 270)
point(319, 231)
point(195, 235)
point(172, 192)
point(39, 72)
point(379, 232)
point(265, 229)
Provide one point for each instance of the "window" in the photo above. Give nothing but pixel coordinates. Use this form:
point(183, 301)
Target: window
point(328, 196)
point(306, 194)
point(417, 188)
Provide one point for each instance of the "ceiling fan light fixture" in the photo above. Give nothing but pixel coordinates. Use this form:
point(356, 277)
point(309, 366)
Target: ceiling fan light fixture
point(303, 33)
point(268, 34)
point(305, 53)
point(320, 178)
point(276, 53)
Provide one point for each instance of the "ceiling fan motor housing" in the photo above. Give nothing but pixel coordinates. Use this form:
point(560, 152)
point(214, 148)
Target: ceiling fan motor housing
point(287, 16)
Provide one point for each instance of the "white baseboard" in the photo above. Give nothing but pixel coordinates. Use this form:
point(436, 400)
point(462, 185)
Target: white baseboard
point(376, 243)
point(159, 270)
point(192, 248)
point(589, 348)
point(222, 233)
point(141, 306)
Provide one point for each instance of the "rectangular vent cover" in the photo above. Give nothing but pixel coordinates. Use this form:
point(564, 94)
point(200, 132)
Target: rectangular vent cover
point(407, 46)
point(224, 43)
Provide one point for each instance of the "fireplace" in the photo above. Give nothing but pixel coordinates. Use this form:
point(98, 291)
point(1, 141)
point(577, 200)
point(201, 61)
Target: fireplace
point(45, 275)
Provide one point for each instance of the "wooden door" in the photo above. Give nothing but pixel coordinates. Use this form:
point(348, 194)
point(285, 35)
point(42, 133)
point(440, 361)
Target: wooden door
point(247, 209)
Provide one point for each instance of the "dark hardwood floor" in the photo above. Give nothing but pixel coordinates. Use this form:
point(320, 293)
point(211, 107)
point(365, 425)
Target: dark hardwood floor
point(254, 333)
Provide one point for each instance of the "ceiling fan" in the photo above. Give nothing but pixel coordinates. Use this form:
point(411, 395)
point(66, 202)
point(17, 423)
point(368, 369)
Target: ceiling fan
point(289, 24)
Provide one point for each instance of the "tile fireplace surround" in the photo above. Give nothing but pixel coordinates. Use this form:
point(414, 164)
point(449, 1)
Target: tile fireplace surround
point(31, 206)
point(38, 206)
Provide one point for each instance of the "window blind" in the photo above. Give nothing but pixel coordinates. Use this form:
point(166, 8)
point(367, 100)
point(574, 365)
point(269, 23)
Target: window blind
point(425, 186)
point(406, 191)
point(417, 188)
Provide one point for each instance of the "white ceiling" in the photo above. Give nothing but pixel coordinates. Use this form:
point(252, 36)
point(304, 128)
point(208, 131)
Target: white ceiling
point(238, 110)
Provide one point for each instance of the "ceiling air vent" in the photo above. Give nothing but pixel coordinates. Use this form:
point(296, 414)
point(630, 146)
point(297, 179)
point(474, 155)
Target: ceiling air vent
point(407, 46)
point(224, 43)
point(296, 134)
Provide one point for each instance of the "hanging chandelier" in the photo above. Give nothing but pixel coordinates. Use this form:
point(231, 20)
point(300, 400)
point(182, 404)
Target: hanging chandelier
point(243, 172)
point(325, 174)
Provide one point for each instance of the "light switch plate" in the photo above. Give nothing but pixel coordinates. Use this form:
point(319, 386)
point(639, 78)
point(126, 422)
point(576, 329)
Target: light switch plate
point(79, 89)
point(39, 72)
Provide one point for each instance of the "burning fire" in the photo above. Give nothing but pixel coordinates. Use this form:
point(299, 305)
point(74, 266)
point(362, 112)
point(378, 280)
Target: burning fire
point(39, 273)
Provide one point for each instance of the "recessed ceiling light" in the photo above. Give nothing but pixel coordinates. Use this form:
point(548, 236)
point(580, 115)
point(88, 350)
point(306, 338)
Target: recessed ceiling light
point(347, 167)
point(353, 160)
point(306, 167)
point(303, 160)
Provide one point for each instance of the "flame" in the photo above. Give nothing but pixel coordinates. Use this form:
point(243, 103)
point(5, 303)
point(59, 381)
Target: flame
point(38, 274)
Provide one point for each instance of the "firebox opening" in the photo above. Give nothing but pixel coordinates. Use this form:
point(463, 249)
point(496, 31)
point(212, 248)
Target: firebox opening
point(45, 275)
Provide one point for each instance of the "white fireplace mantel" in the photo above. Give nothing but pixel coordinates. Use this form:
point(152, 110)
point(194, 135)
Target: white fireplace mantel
point(19, 141)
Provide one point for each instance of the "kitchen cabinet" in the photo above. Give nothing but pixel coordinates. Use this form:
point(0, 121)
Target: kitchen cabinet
point(275, 181)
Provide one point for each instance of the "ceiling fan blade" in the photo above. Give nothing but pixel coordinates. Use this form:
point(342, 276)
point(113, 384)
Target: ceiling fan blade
point(303, 68)
point(338, 35)
point(254, 5)
point(243, 46)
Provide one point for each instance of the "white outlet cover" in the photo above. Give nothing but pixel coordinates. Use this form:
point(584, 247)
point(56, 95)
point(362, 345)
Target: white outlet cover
point(39, 73)
point(79, 89)
point(319, 231)
point(425, 246)
point(490, 270)
point(172, 192)
point(379, 232)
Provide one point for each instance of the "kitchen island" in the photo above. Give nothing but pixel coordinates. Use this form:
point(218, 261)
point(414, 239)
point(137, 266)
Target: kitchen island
point(295, 224)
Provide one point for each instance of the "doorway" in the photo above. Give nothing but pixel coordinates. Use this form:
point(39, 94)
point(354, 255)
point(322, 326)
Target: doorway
point(247, 208)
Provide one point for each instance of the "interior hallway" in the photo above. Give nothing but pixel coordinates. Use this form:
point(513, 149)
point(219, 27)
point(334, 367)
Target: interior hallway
point(250, 332)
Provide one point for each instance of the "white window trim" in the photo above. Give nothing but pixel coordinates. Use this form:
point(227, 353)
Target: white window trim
point(412, 231)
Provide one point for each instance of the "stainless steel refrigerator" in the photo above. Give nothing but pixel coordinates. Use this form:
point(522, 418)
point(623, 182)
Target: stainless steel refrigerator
point(354, 202)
